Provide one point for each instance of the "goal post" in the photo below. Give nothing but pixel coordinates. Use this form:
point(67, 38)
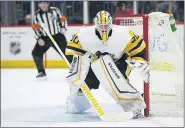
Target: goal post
point(163, 94)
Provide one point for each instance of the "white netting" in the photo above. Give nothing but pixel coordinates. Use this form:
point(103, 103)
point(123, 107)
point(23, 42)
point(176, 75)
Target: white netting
point(166, 75)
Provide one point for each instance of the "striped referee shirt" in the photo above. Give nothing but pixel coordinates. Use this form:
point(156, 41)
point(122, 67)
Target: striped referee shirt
point(53, 19)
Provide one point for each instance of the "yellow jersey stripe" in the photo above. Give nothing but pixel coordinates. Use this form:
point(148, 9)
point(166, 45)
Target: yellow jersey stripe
point(138, 50)
point(130, 45)
point(71, 44)
point(71, 50)
point(73, 53)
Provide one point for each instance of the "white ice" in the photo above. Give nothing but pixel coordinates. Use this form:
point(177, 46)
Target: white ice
point(26, 102)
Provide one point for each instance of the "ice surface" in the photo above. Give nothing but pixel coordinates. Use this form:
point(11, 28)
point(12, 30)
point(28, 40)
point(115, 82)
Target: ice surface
point(26, 101)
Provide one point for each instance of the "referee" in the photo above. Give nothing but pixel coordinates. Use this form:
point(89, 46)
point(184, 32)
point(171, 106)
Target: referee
point(56, 23)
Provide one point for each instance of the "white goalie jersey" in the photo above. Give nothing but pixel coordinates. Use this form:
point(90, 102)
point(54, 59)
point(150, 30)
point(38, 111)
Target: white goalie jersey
point(120, 40)
point(87, 40)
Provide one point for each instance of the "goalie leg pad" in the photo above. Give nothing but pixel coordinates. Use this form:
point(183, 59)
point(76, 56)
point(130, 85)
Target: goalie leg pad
point(77, 103)
point(116, 85)
point(78, 71)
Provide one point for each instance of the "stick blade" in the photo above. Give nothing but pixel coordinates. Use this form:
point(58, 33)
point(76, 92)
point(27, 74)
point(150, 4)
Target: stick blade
point(118, 117)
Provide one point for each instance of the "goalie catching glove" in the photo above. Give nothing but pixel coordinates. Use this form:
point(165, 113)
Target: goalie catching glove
point(140, 66)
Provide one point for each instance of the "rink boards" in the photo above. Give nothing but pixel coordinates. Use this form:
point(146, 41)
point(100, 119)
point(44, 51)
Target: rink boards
point(17, 44)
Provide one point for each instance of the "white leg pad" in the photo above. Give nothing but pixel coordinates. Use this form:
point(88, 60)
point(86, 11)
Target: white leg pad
point(77, 103)
point(116, 85)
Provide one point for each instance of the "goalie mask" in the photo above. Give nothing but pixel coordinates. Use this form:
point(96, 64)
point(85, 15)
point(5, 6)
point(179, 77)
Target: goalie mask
point(103, 23)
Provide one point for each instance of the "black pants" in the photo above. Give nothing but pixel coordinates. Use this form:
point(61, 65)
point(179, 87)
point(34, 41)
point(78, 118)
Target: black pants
point(39, 51)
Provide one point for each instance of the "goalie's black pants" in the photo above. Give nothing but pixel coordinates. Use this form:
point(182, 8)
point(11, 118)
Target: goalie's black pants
point(38, 51)
point(92, 81)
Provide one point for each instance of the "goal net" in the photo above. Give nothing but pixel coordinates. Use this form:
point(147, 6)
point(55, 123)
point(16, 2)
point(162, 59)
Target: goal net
point(164, 92)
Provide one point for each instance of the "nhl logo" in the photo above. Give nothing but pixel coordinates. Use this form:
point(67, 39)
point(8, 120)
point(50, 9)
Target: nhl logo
point(15, 47)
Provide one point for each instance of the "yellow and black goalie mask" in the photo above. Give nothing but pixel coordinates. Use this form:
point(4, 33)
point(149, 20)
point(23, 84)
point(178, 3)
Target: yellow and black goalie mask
point(103, 23)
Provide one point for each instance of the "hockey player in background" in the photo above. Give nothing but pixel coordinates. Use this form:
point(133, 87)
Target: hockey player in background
point(57, 26)
point(105, 54)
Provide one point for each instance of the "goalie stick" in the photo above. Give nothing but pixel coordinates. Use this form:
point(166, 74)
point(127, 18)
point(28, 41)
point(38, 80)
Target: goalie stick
point(101, 113)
